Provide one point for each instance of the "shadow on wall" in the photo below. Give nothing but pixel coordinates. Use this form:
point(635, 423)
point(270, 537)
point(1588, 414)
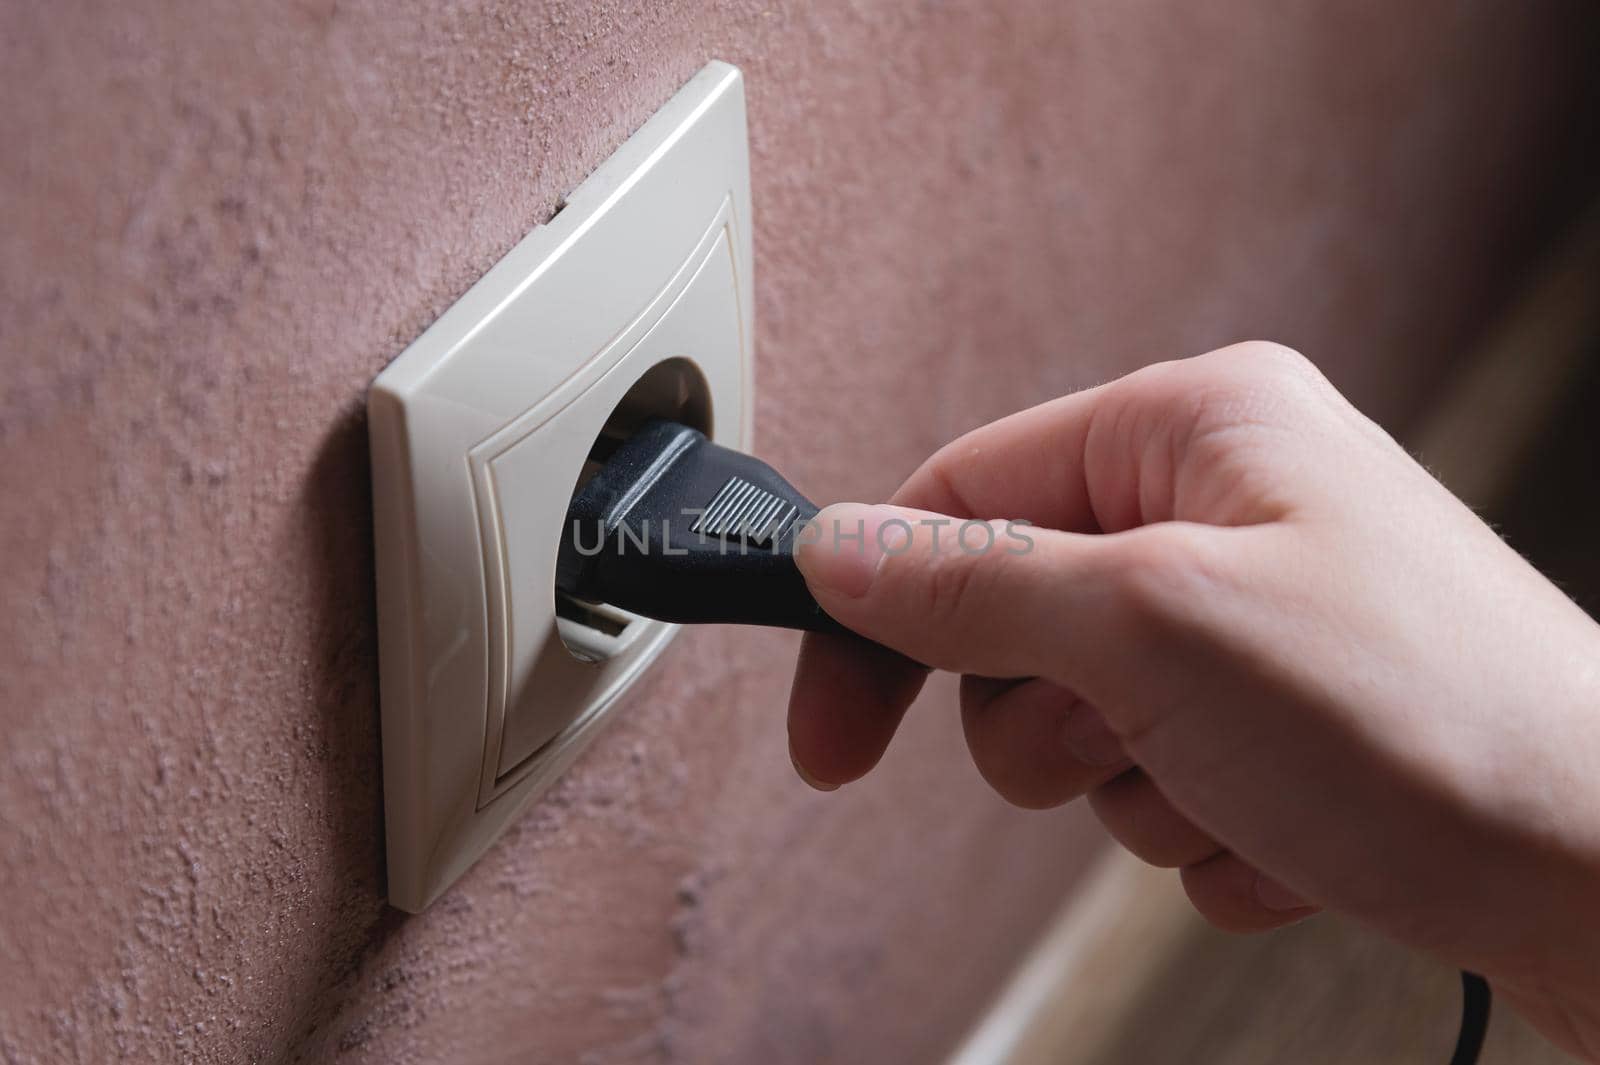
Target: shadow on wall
point(1552, 516)
point(341, 650)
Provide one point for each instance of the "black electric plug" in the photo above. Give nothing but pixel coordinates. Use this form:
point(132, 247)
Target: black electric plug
point(677, 528)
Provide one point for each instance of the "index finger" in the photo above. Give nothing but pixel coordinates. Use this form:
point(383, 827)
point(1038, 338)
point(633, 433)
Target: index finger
point(1027, 466)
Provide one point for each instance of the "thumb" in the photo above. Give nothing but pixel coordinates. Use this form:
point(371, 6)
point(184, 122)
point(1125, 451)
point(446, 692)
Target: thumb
point(996, 598)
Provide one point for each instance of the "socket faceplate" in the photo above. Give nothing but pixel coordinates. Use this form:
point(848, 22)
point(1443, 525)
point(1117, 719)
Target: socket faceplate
point(479, 431)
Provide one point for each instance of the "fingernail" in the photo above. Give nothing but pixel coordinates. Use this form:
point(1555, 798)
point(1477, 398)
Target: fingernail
point(1274, 896)
point(1090, 739)
point(810, 780)
point(846, 543)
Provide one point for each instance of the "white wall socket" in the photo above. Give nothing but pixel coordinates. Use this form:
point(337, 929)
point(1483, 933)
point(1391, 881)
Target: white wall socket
point(635, 299)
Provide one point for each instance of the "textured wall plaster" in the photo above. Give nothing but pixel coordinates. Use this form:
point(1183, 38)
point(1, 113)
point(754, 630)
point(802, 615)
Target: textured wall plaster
point(222, 219)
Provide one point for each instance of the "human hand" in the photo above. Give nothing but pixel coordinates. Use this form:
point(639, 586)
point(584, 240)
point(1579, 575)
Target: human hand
point(1271, 649)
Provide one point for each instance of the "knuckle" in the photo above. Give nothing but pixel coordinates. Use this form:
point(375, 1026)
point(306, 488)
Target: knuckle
point(1267, 357)
point(1261, 368)
point(1255, 383)
point(956, 581)
point(933, 485)
point(1252, 387)
point(951, 585)
point(1162, 576)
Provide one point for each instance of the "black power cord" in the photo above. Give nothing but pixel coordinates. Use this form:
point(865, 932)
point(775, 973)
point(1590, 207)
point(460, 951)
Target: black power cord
point(1475, 998)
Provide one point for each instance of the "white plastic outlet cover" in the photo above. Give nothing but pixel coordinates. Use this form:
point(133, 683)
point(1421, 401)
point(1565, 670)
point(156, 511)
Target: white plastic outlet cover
point(479, 431)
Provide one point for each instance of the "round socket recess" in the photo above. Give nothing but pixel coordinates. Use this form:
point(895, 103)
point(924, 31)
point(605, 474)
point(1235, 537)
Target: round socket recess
point(479, 432)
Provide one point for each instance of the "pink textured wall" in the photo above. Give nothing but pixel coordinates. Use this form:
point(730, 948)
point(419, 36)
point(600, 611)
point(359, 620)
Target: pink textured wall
point(222, 219)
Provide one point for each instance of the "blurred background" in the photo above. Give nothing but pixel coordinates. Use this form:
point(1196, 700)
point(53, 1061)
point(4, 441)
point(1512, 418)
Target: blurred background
point(221, 221)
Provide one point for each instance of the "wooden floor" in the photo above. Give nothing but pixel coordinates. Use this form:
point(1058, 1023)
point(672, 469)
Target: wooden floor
point(1324, 991)
point(1130, 975)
